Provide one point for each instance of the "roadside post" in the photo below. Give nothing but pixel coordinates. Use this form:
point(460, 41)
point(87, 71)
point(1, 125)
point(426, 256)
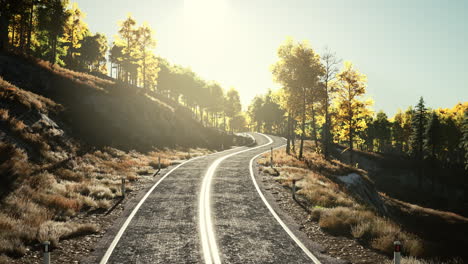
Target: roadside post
point(123, 187)
point(294, 189)
point(159, 163)
point(271, 158)
point(46, 252)
point(397, 252)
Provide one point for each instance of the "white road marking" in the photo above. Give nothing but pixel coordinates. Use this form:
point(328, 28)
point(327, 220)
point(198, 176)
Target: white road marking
point(208, 239)
point(122, 229)
point(272, 211)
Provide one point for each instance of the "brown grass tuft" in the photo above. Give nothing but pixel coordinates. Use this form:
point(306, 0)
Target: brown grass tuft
point(54, 231)
point(336, 211)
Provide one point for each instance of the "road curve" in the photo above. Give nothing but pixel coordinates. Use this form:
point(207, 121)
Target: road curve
point(246, 229)
point(207, 210)
point(164, 228)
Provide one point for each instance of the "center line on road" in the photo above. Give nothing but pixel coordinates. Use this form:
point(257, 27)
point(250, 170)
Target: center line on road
point(122, 229)
point(208, 240)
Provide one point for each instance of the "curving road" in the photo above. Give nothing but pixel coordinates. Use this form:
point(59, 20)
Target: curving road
point(208, 210)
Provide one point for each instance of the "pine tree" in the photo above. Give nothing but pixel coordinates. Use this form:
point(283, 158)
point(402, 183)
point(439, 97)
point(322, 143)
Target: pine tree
point(417, 136)
point(433, 136)
point(418, 126)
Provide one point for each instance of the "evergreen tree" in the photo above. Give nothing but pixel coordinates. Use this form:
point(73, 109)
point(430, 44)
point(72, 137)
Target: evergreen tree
point(433, 136)
point(382, 131)
point(417, 136)
point(418, 130)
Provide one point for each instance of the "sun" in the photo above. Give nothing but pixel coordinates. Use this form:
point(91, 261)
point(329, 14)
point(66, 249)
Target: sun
point(205, 27)
point(204, 16)
point(203, 10)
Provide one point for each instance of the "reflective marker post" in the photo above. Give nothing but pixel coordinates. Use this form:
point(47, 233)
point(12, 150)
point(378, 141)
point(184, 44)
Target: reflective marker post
point(46, 245)
point(123, 187)
point(294, 189)
point(271, 158)
point(397, 252)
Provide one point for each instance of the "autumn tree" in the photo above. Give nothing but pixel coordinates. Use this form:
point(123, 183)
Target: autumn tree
point(255, 112)
point(299, 70)
point(350, 86)
point(17, 24)
point(397, 128)
point(216, 101)
point(464, 140)
point(232, 106)
point(129, 40)
point(74, 31)
point(330, 64)
point(52, 17)
point(146, 41)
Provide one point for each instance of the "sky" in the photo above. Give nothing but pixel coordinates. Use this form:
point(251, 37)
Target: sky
point(407, 49)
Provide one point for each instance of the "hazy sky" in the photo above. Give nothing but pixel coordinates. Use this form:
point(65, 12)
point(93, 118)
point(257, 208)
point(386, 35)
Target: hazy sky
point(406, 48)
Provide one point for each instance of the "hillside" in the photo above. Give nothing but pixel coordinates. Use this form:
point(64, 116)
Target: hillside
point(104, 112)
point(65, 141)
point(356, 205)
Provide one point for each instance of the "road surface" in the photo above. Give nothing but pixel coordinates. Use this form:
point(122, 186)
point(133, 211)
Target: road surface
point(208, 210)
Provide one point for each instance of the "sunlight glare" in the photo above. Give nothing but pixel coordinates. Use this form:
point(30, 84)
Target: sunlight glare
point(205, 25)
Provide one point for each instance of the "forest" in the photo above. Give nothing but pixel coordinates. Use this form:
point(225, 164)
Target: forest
point(55, 31)
point(318, 100)
point(321, 102)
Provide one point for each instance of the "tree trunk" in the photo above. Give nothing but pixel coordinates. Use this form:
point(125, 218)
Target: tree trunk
point(293, 136)
point(4, 25)
point(326, 134)
point(301, 148)
point(314, 127)
point(224, 122)
point(30, 28)
point(54, 49)
point(288, 136)
point(144, 68)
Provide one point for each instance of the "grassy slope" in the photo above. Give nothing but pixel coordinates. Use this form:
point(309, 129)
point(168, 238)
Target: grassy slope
point(105, 113)
point(340, 212)
point(50, 169)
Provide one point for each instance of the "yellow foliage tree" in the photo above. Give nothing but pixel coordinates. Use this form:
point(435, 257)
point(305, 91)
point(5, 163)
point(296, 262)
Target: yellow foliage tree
point(350, 86)
point(298, 70)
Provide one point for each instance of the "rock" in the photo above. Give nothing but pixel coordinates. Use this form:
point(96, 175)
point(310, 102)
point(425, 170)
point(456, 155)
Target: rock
point(364, 190)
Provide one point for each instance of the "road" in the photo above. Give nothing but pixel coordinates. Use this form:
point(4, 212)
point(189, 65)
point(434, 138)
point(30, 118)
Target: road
point(209, 210)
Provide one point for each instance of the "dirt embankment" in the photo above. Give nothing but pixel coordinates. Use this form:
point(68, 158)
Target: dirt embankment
point(104, 112)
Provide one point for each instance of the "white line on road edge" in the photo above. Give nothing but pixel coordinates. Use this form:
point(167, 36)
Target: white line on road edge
point(210, 248)
point(111, 248)
point(285, 227)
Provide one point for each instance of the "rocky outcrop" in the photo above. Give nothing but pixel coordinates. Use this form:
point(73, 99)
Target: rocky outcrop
point(363, 189)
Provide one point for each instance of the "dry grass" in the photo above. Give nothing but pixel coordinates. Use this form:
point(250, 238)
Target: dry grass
point(78, 77)
point(42, 206)
point(335, 210)
point(23, 132)
point(55, 231)
point(12, 94)
point(412, 260)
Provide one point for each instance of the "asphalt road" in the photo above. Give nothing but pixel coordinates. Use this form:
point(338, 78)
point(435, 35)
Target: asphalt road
point(208, 210)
